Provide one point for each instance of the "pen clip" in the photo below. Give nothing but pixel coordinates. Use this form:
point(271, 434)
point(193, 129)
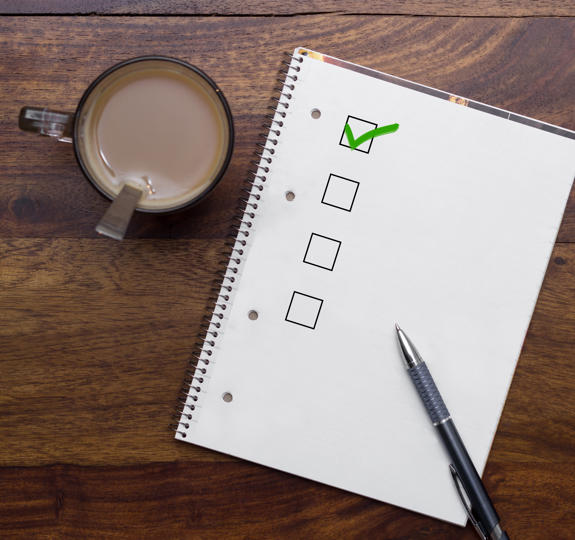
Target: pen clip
point(467, 503)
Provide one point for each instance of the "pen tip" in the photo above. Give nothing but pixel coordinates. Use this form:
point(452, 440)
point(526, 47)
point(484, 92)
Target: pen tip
point(397, 327)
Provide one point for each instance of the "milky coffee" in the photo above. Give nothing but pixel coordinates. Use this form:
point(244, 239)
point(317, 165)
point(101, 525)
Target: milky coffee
point(158, 125)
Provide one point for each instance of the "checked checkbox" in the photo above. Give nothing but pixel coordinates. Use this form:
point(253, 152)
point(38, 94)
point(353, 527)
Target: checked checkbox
point(358, 126)
point(358, 134)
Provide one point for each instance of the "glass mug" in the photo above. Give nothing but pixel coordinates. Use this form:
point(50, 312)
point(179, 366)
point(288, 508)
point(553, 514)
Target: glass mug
point(153, 134)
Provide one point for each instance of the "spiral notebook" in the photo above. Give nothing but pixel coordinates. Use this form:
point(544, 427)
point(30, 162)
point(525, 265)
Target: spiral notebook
point(444, 224)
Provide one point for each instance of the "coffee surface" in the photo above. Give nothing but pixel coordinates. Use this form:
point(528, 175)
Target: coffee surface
point(158, 129)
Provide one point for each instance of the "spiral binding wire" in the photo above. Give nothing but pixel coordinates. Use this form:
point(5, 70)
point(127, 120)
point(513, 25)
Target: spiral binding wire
point(235, 245)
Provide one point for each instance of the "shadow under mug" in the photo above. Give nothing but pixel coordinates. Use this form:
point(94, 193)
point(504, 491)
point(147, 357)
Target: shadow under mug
point(71, 127)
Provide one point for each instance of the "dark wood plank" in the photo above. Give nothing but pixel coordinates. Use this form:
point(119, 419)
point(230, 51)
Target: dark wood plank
point(241, 500)
point(197, 500)
point(525, 65)
point(475, 8)
point(94, 340)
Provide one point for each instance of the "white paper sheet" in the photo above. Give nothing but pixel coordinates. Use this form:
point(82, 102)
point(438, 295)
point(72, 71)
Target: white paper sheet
point(449, 233)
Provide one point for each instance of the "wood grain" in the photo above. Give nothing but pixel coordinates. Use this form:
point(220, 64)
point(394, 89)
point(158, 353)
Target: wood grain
point(94, 335)
point(518, 64)
point(242, 500)
point(473, 8)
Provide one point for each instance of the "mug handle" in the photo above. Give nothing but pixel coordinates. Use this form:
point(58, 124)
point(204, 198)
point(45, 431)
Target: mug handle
point(47, 122)
point(61, 126)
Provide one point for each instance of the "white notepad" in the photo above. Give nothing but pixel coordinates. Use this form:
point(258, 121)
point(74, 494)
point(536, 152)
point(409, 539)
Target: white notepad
point(445, 226)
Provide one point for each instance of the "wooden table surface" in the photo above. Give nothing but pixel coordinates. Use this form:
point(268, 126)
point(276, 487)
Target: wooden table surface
point(95, 334)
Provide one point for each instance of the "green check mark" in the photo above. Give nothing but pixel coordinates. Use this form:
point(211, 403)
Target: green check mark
point(371, 134)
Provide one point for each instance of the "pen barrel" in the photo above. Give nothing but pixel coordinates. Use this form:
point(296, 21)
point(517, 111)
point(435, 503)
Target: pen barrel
point(429, 393)
point(480, 502)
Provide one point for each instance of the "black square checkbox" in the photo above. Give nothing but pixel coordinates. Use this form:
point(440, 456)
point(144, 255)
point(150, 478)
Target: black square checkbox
point(340, 192)
point(322, 251)
point(358, 127)
point(304, 310)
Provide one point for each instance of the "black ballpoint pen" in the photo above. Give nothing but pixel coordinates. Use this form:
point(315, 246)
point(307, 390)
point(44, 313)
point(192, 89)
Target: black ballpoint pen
point(477, 503)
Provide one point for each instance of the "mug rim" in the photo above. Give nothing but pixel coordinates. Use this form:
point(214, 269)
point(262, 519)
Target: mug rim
point(230, 123)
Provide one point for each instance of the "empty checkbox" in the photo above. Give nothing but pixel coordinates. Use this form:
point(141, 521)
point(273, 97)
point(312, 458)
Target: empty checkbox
point(321, 251)
point(358, 128)
point(304, 309)
point(340, 192)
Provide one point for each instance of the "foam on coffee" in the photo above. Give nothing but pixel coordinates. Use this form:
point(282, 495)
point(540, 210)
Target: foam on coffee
point(158, 125)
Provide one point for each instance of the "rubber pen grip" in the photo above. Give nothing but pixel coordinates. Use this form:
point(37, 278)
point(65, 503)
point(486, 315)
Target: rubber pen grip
point(429, 393)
